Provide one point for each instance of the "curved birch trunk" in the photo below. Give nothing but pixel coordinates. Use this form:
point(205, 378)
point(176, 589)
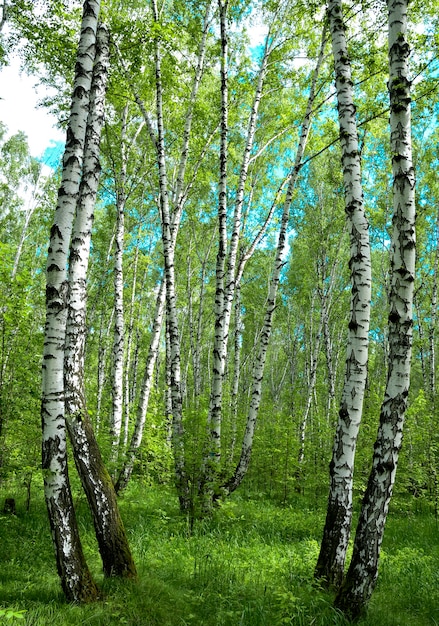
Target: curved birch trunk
point(76, 579)
point(247, 444)
point(330, 564)
point(363, 570)
point(95, 479)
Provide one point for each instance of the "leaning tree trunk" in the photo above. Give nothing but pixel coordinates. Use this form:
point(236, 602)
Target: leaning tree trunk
point(136, 439)
point(95, 479)
point(330, 564)
point(76, 579)
point(363, 570)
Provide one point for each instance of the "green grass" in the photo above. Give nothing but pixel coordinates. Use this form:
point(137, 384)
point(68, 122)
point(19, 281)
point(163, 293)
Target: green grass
point(250, 564)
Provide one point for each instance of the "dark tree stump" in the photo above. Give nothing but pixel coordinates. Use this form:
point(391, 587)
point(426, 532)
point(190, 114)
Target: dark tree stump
point(9, 507)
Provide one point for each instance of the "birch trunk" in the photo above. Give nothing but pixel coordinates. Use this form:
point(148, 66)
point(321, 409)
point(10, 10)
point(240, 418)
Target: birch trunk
point(95, 479)
point(363, 570)
point(330, 564)
point(314, 359)
point(33, 203)
point(236, 372)
point(214, 417)
point(136, 439)
point(127, 367)
point(171, 308)
point(433, 322)
point(119, 321)
point(102, 353)
point(76, 579)
point(226, 277)
point(247, 444)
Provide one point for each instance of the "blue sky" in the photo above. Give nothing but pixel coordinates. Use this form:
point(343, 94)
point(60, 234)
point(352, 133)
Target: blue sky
point(19, 111)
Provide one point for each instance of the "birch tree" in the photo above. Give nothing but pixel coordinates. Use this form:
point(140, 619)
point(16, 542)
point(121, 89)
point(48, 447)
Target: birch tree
point(330, 565)
point(76, 579)
point(110, 532)
point(363, 570)
point(247, 443)
point(136, 439)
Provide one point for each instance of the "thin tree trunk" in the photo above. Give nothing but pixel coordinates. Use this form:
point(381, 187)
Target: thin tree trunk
point(360, 580)
point(4, 14)
point(127, 367)
point(76, 579)
point(330, 564)
point(433, 320)
point(218, 363)
point(102, 353)
point(314, 359)
point(33, 202)
point(119, 318)
point(171, 308)
point(136, 439)
point(241, 469)
point(226, 277)
point(236, 372)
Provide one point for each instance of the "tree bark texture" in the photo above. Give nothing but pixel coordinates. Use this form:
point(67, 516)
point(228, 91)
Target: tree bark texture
point(214, 418)
point(76, 580)
point(363, 570)
point(95, 479)
point(330, 564)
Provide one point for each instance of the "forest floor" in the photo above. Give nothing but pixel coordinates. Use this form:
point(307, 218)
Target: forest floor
point(250, 564)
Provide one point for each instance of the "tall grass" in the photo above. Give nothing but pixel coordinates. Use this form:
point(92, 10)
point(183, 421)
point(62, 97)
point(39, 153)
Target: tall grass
point(250, 564)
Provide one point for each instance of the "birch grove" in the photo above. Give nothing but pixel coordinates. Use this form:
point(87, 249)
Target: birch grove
point(221, 230)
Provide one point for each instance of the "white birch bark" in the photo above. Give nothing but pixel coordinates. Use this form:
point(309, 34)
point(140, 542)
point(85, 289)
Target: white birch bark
point(179, 191)
point(171, 308)
point(214, 417)
point(313, 363)
point(32, 205)
point(236, 371)
point(226, 278)
point(110, 533)
point(363, 570)
point(119, 314)
point(101, 375)
point(330, 565)
point(127, 367)
point(433, 322)
point(75, 577)
point(4, 14)
point(247, 444)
